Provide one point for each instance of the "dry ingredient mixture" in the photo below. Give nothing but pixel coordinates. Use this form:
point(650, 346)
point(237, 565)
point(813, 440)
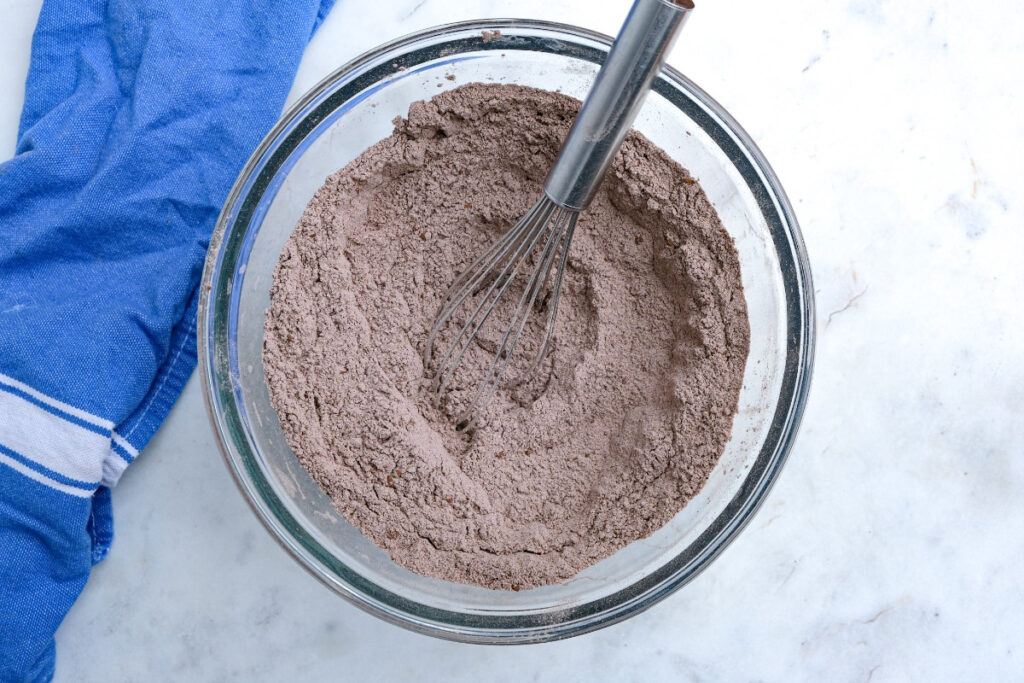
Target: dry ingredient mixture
point(625, 419)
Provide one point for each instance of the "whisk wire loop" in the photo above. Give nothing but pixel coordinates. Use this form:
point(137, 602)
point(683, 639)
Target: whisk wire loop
point(556, 291)
point(546, 224)
point(513, 333)
point(520, 247)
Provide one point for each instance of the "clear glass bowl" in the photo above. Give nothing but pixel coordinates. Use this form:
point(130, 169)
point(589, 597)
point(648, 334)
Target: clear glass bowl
point(336, 121)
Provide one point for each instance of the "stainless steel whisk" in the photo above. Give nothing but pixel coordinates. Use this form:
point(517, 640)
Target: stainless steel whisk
point(606, 116)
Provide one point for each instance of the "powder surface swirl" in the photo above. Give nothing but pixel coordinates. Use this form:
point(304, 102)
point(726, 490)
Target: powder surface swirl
point(628, 413)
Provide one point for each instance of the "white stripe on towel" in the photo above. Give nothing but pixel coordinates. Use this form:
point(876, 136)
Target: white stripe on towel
point(63, 447)
point(120, 441)
point(43, 479)
point(59, 405)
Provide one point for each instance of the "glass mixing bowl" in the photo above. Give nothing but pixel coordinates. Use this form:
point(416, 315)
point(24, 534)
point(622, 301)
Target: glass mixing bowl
point(335, 122)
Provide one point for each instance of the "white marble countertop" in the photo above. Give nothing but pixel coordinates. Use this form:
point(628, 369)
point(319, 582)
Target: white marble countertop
point(891, 548)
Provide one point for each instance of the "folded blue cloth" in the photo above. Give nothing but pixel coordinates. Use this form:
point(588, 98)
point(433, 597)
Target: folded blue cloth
point(137, 118)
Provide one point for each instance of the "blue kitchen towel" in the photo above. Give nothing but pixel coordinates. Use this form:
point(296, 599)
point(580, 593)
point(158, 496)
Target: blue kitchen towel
point(138, 116)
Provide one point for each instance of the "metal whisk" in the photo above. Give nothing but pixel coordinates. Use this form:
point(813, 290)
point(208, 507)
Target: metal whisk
point(542, 237)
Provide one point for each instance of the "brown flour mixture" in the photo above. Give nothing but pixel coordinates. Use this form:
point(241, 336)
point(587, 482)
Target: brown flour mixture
point(630, 411)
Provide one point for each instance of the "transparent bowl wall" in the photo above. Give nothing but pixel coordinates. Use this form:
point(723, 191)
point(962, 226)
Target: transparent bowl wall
point(334, 123)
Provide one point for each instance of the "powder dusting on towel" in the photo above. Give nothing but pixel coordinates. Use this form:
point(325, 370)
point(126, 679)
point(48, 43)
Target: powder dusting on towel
point(628, 414)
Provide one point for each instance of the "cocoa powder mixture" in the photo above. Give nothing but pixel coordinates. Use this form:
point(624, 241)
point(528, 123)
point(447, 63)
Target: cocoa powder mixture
point(628, 414)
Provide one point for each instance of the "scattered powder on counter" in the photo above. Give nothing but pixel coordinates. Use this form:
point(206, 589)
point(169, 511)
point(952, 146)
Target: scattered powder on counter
point(629, 412)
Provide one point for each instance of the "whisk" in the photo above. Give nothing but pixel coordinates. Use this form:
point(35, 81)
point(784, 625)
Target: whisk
point(542, 237)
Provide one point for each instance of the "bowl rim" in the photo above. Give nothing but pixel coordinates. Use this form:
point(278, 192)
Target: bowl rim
point(219, 389)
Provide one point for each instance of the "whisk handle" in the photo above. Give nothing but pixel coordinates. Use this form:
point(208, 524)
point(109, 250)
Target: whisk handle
point(614, 100)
